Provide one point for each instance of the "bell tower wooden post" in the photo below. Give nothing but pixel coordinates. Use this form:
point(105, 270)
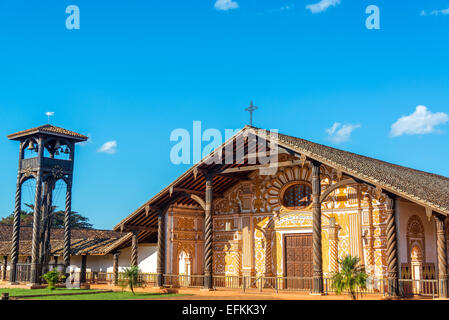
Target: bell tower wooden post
point(16, 224)
point(37, 216)
point(48, 141)
point(67, 225)
point(208, 254)
point(317, 287)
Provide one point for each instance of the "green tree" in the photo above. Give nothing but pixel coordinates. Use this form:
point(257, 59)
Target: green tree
point(78, 221)
point(351, 277)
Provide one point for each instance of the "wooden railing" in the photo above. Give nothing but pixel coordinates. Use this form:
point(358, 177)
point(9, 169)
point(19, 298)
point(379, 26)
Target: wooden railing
point(407, 287)
point(182, 280)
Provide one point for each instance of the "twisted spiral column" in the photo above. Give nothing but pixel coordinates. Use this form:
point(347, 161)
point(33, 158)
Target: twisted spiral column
point(36, 226)
point(333, 246)
point(392, 250)
point(16, 224)
point(16, 232)
point(370, 252)
point(316, 231)
point(67, 225)
point(442, 255)
point(268, 255)
point(161, 248)
point(208, 235)
point(134, 249)
point(115, 268)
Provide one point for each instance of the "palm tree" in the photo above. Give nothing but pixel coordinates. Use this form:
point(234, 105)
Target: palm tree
point(132, 277)
point(351, 277)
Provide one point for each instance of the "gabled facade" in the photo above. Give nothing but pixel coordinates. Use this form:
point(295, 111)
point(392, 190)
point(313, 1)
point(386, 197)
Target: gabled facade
point(314, 206)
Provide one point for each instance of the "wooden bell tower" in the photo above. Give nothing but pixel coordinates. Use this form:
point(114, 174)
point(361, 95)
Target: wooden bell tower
point(52, 155)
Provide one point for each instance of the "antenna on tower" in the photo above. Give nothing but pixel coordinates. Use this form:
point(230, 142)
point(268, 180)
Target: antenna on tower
point(49, 114)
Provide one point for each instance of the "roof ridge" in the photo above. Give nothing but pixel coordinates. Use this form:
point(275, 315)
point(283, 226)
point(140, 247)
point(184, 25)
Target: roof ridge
point(367, 157)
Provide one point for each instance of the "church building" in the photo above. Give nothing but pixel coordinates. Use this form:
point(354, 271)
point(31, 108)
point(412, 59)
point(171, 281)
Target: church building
point(289, 220)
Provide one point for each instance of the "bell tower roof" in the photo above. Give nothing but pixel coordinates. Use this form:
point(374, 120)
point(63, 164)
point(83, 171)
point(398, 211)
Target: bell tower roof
point(48, 129)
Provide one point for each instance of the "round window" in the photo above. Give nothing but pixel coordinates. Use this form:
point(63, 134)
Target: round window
point(297, 196)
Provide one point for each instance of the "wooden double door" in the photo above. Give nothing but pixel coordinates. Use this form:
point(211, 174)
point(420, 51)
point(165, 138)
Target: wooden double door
point(298, 264)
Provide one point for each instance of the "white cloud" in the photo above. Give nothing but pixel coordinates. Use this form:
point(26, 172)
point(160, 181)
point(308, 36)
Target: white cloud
point(109, 147)
point(226, 5)
point(422, 121)
point(322, 5)
point(340, 133)
point(435, 12)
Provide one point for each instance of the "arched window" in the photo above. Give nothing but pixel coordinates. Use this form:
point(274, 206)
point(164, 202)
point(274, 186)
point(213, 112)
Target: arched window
point(297, 196)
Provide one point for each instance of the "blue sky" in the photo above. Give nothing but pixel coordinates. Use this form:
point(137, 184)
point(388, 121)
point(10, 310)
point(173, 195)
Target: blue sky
point(137, 70)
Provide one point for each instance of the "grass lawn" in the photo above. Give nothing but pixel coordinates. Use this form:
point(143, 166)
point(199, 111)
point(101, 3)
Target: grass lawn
point(28, 292)
point(109, 296)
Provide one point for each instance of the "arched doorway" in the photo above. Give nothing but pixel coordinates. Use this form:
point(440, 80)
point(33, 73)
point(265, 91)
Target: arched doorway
point(416, 260)
point(184, 268)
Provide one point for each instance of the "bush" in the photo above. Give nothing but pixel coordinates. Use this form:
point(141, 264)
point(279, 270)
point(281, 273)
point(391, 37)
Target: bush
point(52, 278)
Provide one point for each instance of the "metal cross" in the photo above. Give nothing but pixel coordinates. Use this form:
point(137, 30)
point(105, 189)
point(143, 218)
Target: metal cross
point(251, 109)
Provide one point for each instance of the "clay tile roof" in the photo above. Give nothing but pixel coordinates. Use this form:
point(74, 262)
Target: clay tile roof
point(48, 128)
point(84, 241)
point(428, 189)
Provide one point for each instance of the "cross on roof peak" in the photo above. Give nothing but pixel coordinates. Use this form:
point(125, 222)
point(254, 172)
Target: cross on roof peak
point(251, 109)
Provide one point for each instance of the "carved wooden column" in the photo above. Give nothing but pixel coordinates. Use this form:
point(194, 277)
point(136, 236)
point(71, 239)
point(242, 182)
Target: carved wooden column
point(16, 224)
point(208, 254)
point(392, 250)
point(83, 268)
point(134, 249)
point(370, 238)
point(36, 219)
point(268, 254)
point(333, 245)
point(317, 287)
point(115, 268)
point(161, 248)
point(442, 255)
point(5, 267)
point(67, 225)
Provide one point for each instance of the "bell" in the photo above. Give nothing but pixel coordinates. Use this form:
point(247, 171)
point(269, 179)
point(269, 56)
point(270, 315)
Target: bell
point(31, 146)
point(67, 151)
point(57, 152)
point(57, 145)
